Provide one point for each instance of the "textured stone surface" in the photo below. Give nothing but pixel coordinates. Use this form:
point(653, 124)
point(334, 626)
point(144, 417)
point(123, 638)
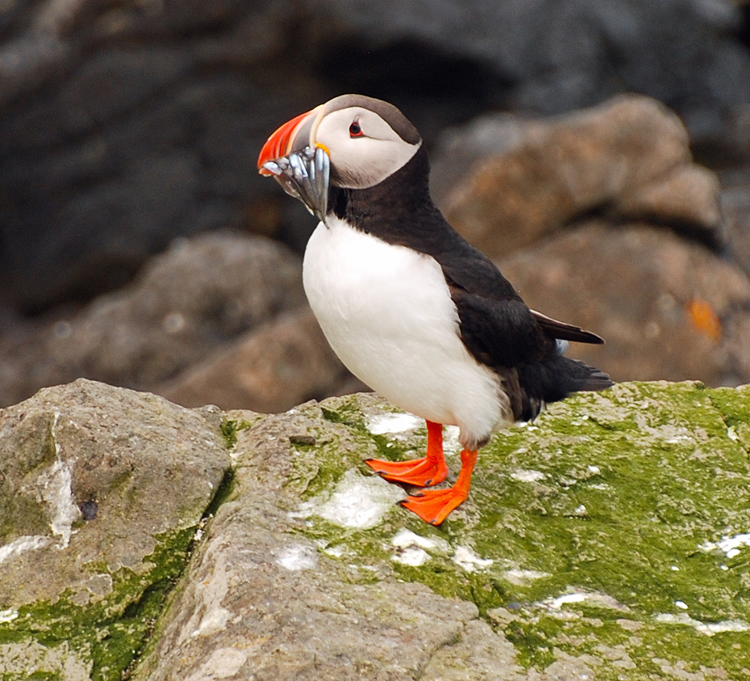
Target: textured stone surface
point(272, 369)
point(605, 540)
point(191, 300)
point(668, 308)
point(628, 158)
point(735, 205)
point(102, 490)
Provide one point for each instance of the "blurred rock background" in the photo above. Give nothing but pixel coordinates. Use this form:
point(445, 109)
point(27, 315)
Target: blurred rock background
point(599, 152)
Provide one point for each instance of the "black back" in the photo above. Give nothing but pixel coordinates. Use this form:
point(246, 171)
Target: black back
point(496, 326)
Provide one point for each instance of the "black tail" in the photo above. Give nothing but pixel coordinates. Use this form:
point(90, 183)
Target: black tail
point(554, 379)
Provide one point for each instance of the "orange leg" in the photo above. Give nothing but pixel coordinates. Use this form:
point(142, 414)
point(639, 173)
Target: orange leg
point(429, 470)
point(435, 505)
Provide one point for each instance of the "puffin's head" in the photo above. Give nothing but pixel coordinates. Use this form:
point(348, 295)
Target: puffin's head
point(365, 140)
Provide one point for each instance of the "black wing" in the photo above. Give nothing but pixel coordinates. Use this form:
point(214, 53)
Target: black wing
point(496, 326)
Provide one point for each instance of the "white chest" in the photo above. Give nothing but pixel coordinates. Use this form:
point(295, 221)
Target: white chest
point(387, 313)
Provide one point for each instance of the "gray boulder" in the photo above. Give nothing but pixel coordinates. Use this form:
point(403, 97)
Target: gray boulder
point(102, 490)
point(270, 369)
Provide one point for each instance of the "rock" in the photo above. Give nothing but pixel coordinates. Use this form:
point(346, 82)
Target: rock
point(271, 369)
point(178, 163)
point(667, 308)
point(552, 58)
point(628, 158)
point(123, 128)
point(102, 490)
point(735, 205)
point(187, 303)
point(687, 199)
point(594, 544)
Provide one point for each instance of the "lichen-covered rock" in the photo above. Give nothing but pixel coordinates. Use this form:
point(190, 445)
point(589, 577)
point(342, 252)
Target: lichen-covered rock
point(608, 539)
point(101, 491)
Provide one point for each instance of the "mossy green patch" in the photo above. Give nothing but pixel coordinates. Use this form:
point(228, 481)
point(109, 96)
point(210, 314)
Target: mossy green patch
point(597, 529)
point(229, 429)
point(346, 412)
point(107, 634)
point(320, 466)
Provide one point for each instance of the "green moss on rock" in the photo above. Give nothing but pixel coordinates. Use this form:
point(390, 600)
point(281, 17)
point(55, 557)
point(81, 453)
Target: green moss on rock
point(616, 525)
point(104, 637)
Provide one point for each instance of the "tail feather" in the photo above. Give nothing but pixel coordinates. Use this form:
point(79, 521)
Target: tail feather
point(554, 379)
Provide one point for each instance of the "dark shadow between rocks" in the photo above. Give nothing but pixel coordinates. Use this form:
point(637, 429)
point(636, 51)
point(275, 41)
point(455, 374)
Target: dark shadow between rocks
point(412, 75)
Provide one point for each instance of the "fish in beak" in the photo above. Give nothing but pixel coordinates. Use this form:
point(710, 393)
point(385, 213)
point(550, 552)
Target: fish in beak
point(298, 163)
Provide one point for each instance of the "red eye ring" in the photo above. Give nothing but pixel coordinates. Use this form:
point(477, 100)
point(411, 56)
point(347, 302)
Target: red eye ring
point(355, 130)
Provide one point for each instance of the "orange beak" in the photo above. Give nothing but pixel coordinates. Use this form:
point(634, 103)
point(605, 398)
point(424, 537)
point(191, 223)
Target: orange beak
point(285, 139)
point(298, 163)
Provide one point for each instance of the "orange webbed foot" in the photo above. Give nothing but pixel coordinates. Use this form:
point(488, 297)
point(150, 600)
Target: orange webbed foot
point(420, 472)
point(434, 506)
point(429, 470)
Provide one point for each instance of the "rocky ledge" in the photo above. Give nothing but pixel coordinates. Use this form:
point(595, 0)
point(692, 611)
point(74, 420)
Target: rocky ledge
point(609, 539)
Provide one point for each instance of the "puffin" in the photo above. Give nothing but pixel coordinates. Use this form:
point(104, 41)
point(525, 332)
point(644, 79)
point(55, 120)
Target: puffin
point(408, 305)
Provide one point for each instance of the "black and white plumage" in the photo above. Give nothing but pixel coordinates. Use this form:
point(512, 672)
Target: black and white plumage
point(409, 306)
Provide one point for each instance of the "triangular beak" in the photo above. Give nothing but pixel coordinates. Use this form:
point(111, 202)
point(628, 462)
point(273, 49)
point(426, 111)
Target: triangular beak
point(281, 142)
point(302, 167)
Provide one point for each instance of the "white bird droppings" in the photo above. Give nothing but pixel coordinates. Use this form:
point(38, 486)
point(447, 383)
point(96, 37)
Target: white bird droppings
point(709, 629)
point(557, 603)
point(729, 545)
point(297, 557)
point(357, 502)
point(412, 549)
point(22, 544)
point(451, 443)
point(464, 557)
point(523, 577)
point(592, 597)
point(412, 555)
point(8, 615)
point(524, 475)
point(58, 494)
point(380, 424)
point(405, 538)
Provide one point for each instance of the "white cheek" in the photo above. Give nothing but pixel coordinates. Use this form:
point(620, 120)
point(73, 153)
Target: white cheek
point(365, 162)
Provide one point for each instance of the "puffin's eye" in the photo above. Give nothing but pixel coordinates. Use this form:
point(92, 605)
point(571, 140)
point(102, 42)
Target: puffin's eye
point(355, 130)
